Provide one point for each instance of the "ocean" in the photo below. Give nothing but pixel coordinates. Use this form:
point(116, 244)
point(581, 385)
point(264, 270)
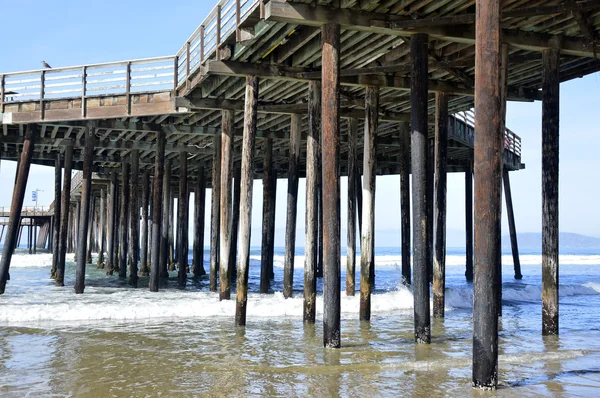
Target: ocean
point(116, 341)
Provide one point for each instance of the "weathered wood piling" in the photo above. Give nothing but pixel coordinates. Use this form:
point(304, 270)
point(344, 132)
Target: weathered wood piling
point(550, 141)
point(488, 189)
point(215, 214)
point(199, 210)
point(247, 178)
point(330, 157)
point(17, 204)
point(65, 202)
point(419, 148)
point(157, 195)
point(226, 203)
point(86, 198)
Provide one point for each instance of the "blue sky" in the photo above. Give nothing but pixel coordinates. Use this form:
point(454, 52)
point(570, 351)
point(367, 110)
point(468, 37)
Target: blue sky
point(67, 33)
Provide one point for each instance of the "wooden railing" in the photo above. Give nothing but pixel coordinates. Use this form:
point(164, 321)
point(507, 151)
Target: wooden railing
point(512, 142)
point(80, 82)
point(203, 44)
point(28, 210)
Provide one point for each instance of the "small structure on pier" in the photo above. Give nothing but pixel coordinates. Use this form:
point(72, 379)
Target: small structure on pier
point(272, 89)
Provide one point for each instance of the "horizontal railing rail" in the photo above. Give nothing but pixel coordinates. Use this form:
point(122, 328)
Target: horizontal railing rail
point(112, 78)
point(29, 210)
point(512, 142)
point(203, 44)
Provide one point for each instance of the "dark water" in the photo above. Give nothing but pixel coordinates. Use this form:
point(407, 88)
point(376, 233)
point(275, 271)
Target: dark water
point(118, 341)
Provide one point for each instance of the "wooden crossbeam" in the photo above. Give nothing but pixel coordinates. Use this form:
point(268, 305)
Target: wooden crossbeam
point(391, 81)
point(387, 24)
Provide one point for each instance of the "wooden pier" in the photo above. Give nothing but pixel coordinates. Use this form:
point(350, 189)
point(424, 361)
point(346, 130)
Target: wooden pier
point(317, 90)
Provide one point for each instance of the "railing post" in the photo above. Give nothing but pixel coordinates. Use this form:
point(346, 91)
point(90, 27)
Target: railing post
point(42, 84)
point(202, 44)
point(238, 12)
point(218, 39)
point(128, 87)
point(175, 75)
point(83, 92)
point(1, 93)
point(187, 61)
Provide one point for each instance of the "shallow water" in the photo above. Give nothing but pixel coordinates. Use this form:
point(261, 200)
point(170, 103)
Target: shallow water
point(118, 341)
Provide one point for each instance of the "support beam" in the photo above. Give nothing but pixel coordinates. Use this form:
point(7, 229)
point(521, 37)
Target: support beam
point(312, 192)
point(86, 198)
point(268, 214)
point(182, 221)
point(102, 230)
point(89, 234)
point(405, 200)
point(330, 37)
point(17, 204)
point(124, 221)
point(170, 231)
point(419, 150)
point(441, 163)
point(469, 223)
point(226, 199)
point(134, 219)
point(157, 194)
point(512, 226)
point(351, 241)
point(165, 218)
point(235, 223)
point(430, 204)
point(387, 24)
point(56, 223)
point(247, 178)
point(367, 258)
point(215, 215)
point(65, 204)
point(145, 269)
point(199, 210)
point(550, 141)
point(488, 191)
point(292, 205)
point(112, 221)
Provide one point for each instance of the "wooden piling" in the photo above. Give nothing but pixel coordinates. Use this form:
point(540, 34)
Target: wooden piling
point(330, 154)
point(404, 164)
point(182, 221)
point(56, 223)
point(512, 226)
point(17, 204)
point(166, 203)
point(170, 230)
point(312, 193)
point(550, 141)
point(247, 178)
point(145, 270)
point(367, 258)
point(488, 190)
point(215, 214)
point(226, 203)
point(112, 220)
point(265, 280)
point(157, 194)
point(89, 234)
point(102, 229)
point(124, 220)
point(441, 163)
point(235, 223)
point(292, 205)
point(134, 219)
point(86, 199)
point(65, 202)
point(272, 224)
point(419, 149)
point(430, 205)
point(351, 242)
point(199, 210)
point(469, 223)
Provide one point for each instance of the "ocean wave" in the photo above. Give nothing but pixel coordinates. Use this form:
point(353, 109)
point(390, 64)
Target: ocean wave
point(117, 304)
point(35, 260)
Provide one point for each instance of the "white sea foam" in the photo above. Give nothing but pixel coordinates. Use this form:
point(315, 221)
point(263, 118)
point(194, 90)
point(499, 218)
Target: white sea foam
point(35, 260)
point(395, 261)
point(60, 305)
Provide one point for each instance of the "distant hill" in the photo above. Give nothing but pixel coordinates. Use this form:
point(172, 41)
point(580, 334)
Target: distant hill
point(528, 241)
